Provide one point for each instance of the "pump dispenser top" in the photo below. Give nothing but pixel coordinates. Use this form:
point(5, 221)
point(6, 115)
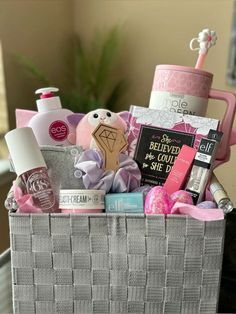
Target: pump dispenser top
point(50, 124)
point(48, 101)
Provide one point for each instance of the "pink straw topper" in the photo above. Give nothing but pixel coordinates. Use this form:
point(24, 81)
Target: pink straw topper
point(206, 39)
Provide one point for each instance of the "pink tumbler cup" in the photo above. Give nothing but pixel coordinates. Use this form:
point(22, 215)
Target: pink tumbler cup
point(186, 90)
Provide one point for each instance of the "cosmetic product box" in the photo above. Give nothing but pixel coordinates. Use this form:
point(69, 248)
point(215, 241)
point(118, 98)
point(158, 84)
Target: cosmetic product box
point(203, 166)
point(115, 263)
point(124, 202)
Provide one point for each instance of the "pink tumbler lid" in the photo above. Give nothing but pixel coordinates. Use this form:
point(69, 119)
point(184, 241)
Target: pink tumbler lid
point(183, 69)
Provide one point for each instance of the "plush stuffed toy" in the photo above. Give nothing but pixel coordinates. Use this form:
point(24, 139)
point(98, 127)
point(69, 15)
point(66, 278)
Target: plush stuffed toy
point(86, 124)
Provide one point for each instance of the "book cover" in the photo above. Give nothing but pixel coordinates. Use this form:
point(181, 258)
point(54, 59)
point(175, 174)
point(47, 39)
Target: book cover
point(156, 151)
point(198, 126)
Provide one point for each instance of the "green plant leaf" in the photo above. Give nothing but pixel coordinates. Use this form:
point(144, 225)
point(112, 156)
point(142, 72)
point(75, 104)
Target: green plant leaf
point(33, 70)
point(83, 73)
point(115, 95)
point(106, 60)
point(78, 103)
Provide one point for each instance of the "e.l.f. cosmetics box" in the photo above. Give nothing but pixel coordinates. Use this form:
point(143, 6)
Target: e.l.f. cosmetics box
point(202, 165)
point(124, 202)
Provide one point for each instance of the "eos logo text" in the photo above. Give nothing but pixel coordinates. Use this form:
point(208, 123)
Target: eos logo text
point(58, 130)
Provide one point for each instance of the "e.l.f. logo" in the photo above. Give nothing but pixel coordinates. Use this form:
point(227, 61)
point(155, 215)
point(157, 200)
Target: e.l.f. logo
point(207, 147)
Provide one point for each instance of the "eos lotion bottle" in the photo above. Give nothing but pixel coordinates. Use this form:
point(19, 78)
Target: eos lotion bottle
point(31, 168)
point(50, 125)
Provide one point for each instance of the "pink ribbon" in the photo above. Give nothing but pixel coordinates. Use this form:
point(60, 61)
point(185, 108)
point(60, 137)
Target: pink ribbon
point(204, 214)
point(24, 201)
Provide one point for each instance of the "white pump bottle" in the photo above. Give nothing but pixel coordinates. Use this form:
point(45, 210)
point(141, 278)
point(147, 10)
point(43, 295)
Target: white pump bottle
point(50, 125)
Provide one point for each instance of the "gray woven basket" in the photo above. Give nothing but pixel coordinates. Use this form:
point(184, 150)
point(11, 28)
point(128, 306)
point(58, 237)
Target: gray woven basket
point(115, 264)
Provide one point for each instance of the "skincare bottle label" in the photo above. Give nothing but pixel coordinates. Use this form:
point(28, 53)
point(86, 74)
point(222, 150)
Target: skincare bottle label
point(58, 130)
point(37, 184)
point(81, 199)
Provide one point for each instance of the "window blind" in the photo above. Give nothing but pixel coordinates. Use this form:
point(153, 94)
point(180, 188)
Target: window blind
point(3, 102)
point(4, 126)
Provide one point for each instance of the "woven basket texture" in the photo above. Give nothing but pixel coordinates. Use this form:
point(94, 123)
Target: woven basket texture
point(108, 263)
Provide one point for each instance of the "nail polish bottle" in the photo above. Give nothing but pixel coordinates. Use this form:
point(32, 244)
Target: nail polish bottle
point(31, 168)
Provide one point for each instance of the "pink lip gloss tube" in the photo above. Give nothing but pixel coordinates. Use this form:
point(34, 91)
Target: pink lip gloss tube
point(31, 168)
point(179, 172)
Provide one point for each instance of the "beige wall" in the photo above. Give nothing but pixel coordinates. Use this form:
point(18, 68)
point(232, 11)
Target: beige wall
point(158, 32)
point(40, 30)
